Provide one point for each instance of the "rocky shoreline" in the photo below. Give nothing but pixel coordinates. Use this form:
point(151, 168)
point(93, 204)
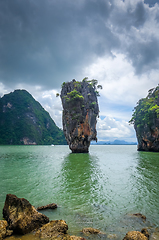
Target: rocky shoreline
point(21, 218)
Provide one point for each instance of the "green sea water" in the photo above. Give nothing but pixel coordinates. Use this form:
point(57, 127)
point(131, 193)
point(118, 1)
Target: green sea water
point(100, 189)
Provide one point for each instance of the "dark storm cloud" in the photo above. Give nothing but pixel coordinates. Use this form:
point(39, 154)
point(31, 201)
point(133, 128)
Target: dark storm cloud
point(151, 2)
point(48, 42)
point(128, 15)
point(137, 27)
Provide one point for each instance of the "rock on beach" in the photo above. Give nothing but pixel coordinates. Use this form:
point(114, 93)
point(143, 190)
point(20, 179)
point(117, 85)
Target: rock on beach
point(135, 235)
point(21, 216)
point(91, 231)
point(52, 229)
point(4, 231)
point(48, 206)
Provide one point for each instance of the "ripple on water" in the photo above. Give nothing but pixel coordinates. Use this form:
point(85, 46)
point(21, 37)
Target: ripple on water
point(99, 189)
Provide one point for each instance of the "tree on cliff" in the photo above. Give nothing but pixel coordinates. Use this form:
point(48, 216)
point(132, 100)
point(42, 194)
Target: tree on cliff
point(147, 109)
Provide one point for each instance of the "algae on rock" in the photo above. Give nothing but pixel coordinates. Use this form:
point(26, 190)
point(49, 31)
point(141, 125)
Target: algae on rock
point(80, 111)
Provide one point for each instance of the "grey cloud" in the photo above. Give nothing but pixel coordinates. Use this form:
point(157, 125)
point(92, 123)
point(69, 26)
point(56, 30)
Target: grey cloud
point(136, 25)
point(144, 55)
point(123, 18)
point(48, 42)
point(151, 3)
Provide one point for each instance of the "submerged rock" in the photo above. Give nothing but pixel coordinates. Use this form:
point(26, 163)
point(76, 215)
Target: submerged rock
point(111, 236)
point(145, 232)
point(21, 216)
point(48, 206)
point(77, 238)
point(80, 110)
point(139, 215)
point(91, 231)
point(146, 121)
point(155, 235)
point(135, 235)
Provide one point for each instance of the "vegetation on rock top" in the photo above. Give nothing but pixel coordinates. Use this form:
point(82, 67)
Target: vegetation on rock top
point(147, 109)
point(77, 84)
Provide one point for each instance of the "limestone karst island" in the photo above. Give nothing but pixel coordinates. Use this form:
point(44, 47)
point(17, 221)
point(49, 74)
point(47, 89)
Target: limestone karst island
point(23, 121)
point(80, 111)
point(146, 121)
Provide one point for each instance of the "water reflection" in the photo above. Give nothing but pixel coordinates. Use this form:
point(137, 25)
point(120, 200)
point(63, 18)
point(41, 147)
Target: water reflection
point(80, 173)
point(79, 178)
point(146, 185)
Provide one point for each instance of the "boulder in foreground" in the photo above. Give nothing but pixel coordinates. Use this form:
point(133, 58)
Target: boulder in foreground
point(53, 230)
point(21, 216)
point(56, 229)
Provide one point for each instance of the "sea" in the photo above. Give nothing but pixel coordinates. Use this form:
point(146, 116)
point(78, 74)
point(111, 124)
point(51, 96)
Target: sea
point(100, 189)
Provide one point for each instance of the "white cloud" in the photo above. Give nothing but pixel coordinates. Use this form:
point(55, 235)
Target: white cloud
point(111, 129)
point(3, 89)
point(120, 84)
point(51, 104)
point(47, 99)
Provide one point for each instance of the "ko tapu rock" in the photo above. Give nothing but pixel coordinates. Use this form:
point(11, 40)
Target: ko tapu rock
point(80, 111)
point(146, 121)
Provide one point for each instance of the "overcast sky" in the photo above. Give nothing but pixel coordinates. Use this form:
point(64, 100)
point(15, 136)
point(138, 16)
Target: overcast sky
point(46, 42)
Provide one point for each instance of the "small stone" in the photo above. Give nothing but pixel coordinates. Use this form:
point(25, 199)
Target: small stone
point(3, 229)
point(48, 206)
point(77, 238)
point(4, 232)
point(145, 232)
point(155, 235)
point(53, 229)
point(91, 231)
point(140, 215)
point(111, 236)
point(135, 235)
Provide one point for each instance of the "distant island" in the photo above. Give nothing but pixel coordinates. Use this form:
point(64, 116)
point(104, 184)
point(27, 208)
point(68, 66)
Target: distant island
point(115, 142)
point(23, 121)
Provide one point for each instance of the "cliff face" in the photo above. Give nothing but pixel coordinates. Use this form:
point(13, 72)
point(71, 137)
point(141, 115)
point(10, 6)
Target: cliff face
point(80, 110)
point(24, 121)
point(146, 121)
